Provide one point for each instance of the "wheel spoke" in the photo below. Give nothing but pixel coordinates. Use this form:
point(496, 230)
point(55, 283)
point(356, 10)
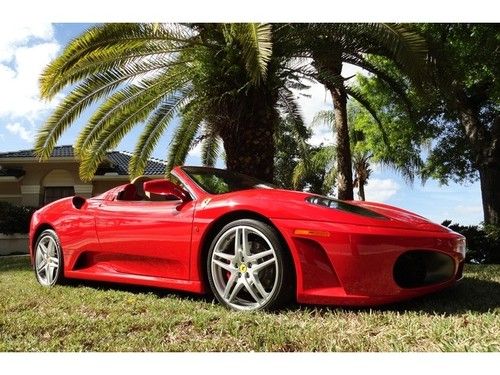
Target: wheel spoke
point(230, 283)
point(262, 254)
point(54, 261)
point(259, 287)
point(41, 264)
point(225, 256)
point(235, 291)
point(43, 249)
point(223, 265)
point(258, 267)
point(237, 240)
point(48, 273)
point(245, 246)
point(51, 248)
point(250, 290)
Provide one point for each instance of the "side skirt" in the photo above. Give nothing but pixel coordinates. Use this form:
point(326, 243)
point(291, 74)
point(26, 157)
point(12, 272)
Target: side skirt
point(174, 284)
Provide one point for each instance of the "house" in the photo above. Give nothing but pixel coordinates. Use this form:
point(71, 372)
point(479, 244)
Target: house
point(24, 180)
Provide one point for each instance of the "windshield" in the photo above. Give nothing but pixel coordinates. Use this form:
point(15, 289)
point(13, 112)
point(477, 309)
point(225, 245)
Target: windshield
point(220, 181)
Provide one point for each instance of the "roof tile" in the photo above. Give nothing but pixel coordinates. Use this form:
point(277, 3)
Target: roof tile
point(119, 159)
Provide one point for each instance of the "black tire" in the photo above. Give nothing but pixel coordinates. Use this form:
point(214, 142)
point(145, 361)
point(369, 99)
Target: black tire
point(283, 288)
point(56, 274)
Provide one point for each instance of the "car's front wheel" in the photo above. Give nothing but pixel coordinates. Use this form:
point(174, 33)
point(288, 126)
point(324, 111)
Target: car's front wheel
point(248, 267)
point(48, 259)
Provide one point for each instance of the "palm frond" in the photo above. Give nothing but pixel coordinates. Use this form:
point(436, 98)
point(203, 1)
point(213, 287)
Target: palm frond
point(289, 106)
point(106, 41)
point(125, 98)
point(407, 47)
point(356, 94)
point(325, 117)
point(299, 173)
point(155, 127)
point(257, 46)
point(109, 137)
point(397, 86)
point(210, 149)
point(184, 135)
point(87, 93)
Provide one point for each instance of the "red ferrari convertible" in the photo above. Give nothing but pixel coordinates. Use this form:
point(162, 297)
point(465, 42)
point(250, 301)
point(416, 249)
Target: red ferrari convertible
point(253, 245)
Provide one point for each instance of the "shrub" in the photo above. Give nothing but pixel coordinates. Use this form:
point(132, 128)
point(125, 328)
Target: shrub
point(483, 241)
point(15, 219)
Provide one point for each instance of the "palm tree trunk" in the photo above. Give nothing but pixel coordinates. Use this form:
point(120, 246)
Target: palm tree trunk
point(247, 131)
point(344, 162)
point(331, 63)
point(361, 189)
point(250, 150)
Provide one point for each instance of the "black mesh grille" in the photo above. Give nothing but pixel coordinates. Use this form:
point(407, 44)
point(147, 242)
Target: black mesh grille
point(419, 268)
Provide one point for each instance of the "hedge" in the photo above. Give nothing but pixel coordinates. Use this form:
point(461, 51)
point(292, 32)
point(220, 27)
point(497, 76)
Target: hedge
point(15, 219)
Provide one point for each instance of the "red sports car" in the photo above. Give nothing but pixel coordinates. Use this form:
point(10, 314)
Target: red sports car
point(253, 245)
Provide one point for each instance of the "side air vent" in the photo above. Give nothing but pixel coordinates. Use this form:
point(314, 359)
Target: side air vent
point(418, 268)
point(78, 202)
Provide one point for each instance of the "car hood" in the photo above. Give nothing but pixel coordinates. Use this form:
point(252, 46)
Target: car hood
point(288, 204)
point(401, 216)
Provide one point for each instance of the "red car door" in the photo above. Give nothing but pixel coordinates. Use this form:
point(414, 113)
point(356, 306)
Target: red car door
point(149, 238)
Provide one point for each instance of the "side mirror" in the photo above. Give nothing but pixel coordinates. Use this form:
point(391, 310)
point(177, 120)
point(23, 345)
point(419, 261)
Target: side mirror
point(165, 187)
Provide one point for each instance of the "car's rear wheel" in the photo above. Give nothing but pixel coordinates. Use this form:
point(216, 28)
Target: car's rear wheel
point(48, 259)
point(248, 267)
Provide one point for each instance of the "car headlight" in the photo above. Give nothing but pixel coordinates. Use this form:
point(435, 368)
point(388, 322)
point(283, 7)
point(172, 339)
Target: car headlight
point(461, 246)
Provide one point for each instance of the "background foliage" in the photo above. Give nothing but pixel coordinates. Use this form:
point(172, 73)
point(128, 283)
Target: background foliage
point(15, 219)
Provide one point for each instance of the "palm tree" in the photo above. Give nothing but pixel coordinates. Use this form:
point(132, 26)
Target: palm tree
point(331, 45)
point(315, 171)
point(362, 171)
point(226, 82)
point(401, 160)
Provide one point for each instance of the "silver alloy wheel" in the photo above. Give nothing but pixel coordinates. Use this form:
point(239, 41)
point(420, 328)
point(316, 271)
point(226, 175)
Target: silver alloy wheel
point(47, 260)
point(244, 268)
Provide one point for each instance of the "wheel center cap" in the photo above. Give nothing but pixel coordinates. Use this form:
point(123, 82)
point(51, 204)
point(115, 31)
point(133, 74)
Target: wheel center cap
point(243, 268)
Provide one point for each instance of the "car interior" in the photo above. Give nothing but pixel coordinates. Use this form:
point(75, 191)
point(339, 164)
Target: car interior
point(134, 191)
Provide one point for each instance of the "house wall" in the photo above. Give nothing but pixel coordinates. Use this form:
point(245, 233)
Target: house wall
point(29, 189)
point(10, 192)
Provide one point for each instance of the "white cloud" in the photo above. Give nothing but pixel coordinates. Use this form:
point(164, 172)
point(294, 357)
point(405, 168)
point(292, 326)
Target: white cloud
point(380, 190)
point(24, 53)
point(21, 131)
point(13, 35)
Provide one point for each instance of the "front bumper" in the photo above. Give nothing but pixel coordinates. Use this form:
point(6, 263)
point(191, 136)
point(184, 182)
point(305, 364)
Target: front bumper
point(355, 265)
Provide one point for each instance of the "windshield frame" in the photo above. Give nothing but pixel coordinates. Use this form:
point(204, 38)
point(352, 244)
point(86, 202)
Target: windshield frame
point(189, 171)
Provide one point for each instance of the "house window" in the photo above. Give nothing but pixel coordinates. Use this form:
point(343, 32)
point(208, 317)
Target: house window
point(53, 193)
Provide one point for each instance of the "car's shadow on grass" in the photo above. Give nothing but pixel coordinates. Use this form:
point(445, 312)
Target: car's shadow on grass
point(139, 289)
point(470, 294)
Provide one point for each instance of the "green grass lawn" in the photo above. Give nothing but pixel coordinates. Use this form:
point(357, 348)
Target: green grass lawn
point(94, 317)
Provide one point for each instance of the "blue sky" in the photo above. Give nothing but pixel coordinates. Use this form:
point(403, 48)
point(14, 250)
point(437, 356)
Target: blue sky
point(25, 50)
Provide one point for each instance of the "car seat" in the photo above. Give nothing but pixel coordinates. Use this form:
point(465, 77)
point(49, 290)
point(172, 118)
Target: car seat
point(129, 193)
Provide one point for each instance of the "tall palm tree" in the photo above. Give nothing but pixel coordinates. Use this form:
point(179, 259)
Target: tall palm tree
point(362, 171)
point(315, 171)
point(331, 45)
point(226, 82)
point(401, 160)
